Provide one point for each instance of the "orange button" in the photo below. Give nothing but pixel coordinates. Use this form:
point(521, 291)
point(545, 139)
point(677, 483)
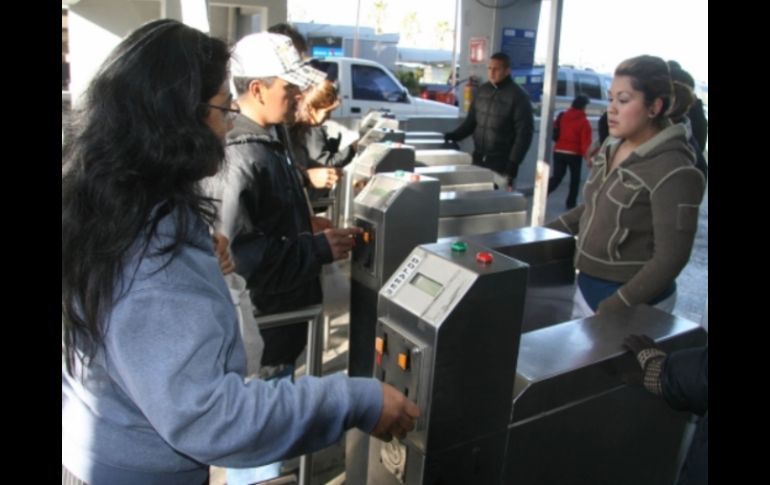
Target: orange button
point(484, 257)
point(366, 237)
point(403, 361)
point(379, 345)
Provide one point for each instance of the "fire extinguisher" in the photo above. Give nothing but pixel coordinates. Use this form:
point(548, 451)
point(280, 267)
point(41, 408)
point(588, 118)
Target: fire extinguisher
point(468, 91)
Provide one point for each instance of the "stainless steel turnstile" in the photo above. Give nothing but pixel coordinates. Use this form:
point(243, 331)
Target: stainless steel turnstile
point(376, 158)
point(498, 406)
point(551, 282)
point(397, 211)
point(442, 157)
point(460, 178)
point(449, 323)
point(479, 212)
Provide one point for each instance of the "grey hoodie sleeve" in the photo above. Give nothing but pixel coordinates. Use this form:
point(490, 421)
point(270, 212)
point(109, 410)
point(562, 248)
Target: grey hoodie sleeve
point(170, 350)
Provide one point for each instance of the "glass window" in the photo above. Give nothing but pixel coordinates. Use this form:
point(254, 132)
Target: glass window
point(606, 83)
point(561, 84)
point(372, 84)
point(589, 86)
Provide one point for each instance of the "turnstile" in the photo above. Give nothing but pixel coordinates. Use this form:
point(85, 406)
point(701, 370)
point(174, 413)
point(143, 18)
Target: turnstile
point(376, 158)
point(479, 212)
point(377, 119)
point(429, 143)
point(379, 135)
point(396, 211)
point(458, 178)
point(552, 408)
point(574, 419)
point(448, 334)
point(430, 135)
point(442, 157)
point(551, 283)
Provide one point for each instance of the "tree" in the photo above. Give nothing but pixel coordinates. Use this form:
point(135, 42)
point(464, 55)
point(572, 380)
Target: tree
point(378, 15)
point(444, 33)
point(410, 27)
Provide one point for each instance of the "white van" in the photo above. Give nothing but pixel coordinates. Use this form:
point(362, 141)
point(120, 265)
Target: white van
point(570, 82)
point(366, 85)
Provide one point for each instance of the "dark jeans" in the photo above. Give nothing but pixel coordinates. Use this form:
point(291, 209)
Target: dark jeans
point(560, 163)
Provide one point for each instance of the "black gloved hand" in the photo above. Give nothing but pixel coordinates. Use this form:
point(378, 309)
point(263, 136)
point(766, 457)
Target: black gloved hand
point(448, 138)
point(650, 357)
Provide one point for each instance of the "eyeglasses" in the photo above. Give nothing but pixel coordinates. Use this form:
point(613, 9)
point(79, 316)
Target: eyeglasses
point(230, 113)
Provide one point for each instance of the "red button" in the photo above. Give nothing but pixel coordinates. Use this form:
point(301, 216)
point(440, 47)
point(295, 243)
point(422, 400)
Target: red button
point(379, 360)
point(415, 177)
point(484, 257)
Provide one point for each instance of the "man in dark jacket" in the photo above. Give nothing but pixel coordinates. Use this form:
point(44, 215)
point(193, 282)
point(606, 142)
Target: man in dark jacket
point(265, 211)
point(682, 379)
point(501, 121)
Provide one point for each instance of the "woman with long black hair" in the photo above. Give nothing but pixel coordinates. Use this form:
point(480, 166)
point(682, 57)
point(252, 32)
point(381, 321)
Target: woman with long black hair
point(153, 366)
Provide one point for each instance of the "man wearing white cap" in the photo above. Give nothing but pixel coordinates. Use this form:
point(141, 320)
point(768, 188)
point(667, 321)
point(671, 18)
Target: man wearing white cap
point(265, 211)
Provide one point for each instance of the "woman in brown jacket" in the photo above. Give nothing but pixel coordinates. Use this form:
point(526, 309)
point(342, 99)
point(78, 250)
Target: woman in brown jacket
point(638, 220)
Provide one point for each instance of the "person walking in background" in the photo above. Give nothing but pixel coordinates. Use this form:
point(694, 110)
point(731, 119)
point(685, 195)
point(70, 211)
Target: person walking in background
point(638, 219)
point(572, 145)
point(153, 366)
point(501, 122)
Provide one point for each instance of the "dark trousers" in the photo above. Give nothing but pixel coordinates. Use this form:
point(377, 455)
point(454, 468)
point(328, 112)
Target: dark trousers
point(560, 163)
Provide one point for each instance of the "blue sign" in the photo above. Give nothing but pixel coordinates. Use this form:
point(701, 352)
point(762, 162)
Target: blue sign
point(324, 51)
point(531, 80)
point(519, 44)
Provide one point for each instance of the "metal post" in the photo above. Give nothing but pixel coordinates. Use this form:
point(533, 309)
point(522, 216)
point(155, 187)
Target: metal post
point(546, 113)
point(314, 368)
point(313, 315)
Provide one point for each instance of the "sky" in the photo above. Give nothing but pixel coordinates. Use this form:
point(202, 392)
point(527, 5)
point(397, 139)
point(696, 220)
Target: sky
point(595, 33)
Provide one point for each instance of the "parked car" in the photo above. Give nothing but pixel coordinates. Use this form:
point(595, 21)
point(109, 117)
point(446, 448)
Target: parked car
point(366, 85)
point(443, 93)
point(569, 83)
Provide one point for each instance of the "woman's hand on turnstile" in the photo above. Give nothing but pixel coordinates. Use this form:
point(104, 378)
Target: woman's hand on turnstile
point(398, 415)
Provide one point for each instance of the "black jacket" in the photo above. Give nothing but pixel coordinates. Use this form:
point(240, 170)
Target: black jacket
point(312, 147)
point(685, 384)
point(275, 249)
point(502, 124)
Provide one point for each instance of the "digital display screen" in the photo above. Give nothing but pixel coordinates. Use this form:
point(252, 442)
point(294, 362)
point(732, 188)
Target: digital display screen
point(379, 192)
point(426, 284)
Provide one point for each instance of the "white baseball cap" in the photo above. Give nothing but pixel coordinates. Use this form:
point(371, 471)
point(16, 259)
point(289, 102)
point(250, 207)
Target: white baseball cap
point(265, 54)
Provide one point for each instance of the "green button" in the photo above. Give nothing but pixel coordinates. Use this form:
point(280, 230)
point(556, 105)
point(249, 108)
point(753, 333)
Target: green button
point(399, 173)
point(459, 246)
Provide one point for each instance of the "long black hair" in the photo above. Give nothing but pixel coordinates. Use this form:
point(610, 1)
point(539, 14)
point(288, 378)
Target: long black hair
point(136, 149)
